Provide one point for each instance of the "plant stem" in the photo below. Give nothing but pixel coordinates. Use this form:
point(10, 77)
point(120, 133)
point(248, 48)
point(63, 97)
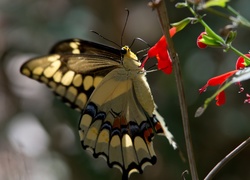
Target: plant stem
point(204, 24)
point(217, 13)
point(240, 53)
point(163, 17)
point(208, 100)
point(240, 19)
point(226, 159)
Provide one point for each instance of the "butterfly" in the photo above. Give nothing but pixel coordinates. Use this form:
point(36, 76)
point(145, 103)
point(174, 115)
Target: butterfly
point(118, 114)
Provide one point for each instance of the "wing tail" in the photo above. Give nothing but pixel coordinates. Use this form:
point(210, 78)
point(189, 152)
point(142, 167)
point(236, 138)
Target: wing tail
point(163, 130)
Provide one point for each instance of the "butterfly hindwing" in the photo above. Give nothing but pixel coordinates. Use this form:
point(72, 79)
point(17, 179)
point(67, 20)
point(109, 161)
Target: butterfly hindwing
point(114, 125)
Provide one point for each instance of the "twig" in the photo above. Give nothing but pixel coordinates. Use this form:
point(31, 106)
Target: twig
point(163, 17)
point(226, 159)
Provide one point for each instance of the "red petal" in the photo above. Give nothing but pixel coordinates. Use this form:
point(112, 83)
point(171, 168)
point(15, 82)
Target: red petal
point(152, 51)
point(203, 89)
point(164, 62)
point(161, 45)
point(218, 80)
point(220, 98)
point(172, 31)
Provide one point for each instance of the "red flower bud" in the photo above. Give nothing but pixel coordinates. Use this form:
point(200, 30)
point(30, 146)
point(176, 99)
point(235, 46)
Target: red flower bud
point(201, 45)
point(240, 63)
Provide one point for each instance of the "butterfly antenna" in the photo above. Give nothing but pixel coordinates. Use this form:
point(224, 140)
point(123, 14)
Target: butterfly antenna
point(105, 38)
point(124, 27)
point(142, 51)
point(139, 39)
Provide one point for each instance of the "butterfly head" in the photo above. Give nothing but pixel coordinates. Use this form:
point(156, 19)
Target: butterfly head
point(126, 51)
point(130, 60)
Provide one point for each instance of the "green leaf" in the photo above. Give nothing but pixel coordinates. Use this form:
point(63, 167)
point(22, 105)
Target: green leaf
point(181, 5)
point(210, 41)
point(220, 3)
point(183, 23)
point(212, 34)
point(247, 62)
point(231, 36)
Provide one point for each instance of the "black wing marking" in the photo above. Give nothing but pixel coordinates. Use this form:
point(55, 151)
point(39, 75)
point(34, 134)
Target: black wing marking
point(78, 46)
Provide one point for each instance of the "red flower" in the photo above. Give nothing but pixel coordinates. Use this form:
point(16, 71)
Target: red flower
point(201, 45)
point(219, 80)
point(215, 81)
point(159, 50)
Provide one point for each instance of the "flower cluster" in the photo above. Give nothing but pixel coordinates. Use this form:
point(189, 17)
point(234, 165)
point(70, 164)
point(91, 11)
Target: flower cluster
point(206, 38)
point(221, 79)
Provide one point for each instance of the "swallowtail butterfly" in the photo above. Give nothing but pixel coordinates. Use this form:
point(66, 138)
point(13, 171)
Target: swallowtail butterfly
point(118, 114)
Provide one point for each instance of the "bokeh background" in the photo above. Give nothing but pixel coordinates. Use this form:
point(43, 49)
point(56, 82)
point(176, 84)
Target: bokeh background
point(38, 134)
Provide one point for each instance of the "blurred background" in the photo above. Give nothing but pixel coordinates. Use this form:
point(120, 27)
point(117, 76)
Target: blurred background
point(39, 134)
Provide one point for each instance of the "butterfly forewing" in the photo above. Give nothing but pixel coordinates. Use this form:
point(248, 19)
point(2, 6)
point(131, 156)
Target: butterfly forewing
point(74, 69)
point(78, 46)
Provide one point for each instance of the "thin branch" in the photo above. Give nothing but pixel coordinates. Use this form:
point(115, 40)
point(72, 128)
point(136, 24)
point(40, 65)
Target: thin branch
point(164, 20)
point(226, 159)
